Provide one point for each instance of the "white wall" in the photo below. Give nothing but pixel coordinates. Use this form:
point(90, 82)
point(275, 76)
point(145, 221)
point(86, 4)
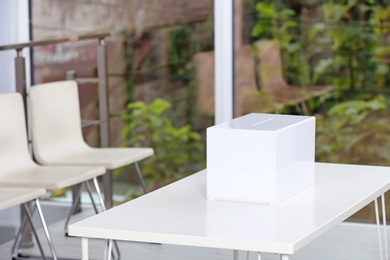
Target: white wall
point(14, 28)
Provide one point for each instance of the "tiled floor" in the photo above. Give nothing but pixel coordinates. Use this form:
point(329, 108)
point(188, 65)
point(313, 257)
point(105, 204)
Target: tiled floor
point(346, 241)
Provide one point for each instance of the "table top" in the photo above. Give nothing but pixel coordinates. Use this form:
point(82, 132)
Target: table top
point(180, 214)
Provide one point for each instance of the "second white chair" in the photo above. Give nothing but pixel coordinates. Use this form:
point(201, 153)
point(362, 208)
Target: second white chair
point(57, 132)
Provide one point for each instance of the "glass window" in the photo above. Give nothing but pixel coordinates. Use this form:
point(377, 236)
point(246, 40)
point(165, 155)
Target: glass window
point(323, 58)
point(161, 77)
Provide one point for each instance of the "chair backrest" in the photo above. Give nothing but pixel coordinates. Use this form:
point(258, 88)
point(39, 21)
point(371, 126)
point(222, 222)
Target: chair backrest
point(55, 120)
point(14, 152)
point(204, 80)
point(269, 65)
point(245, 78)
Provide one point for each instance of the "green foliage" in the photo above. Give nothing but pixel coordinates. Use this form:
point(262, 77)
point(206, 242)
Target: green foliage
point(346, 48)
point(273, 24)
point(381, 18)
point(355, 132)
point(181, 49)
point(350, 32)
point(281, 24)
point(178, 151)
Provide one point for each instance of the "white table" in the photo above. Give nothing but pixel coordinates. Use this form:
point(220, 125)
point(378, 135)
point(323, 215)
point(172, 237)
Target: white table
point(180, 214)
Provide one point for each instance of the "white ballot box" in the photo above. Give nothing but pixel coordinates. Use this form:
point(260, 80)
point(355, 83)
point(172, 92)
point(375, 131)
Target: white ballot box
point(260, 157)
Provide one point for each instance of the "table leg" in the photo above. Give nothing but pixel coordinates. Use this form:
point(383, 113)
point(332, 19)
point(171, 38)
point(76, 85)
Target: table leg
point(236, 255)
point(384, 225)
point(108, 250)
point(284, 257)
point(84, 249)
point(379, 226)
point(258, 255)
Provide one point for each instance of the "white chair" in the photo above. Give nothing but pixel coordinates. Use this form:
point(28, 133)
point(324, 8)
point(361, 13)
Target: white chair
point(10, 197)
point(19, 170)
point(57, 133)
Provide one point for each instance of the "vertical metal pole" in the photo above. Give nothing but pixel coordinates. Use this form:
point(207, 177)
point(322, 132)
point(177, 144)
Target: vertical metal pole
point(104, 117)
point(103, 94)
point(20, 81)
point(71, 75)
point(20, 74)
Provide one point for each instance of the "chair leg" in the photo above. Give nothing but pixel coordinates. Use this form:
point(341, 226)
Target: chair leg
point(96, 184)
point(78, 194)
point(21, 233)
point(29, 219)
point(46, 230)
point(72, 210)
point(139, 173)
point(18, 237)
point(91, 197)
point(74, 206)
point(99, 194)
point(305, 109)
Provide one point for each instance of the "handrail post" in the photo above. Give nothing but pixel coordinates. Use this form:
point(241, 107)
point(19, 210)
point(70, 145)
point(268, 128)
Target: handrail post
point(20, 81)
point(20, 74)
point(104, 116)
point(71, 75)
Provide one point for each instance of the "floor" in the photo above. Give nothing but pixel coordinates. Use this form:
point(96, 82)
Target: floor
point(346, 241)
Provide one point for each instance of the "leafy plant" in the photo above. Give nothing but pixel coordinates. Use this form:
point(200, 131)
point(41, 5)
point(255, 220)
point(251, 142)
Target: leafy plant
point(273, 24)
point(178, 151)
point(355, 132)
point(281, 24)
point(346, 48)
point(182, 47)
point(351, 34)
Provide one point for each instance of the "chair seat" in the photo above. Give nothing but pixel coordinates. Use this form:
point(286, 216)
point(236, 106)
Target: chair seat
point(10, 197)
point(110, 158)
point(291, 95)
point(50, 178)
point(319, 90)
